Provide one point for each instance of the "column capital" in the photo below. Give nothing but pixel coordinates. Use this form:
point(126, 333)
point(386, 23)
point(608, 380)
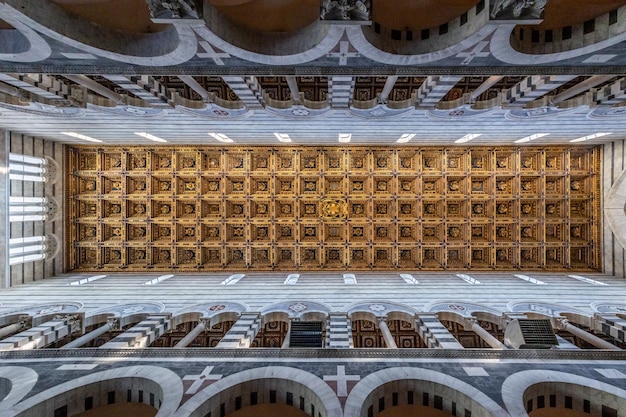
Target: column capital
point(113, 322)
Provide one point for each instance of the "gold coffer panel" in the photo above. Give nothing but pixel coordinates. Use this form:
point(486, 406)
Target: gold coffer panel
point(357, 208)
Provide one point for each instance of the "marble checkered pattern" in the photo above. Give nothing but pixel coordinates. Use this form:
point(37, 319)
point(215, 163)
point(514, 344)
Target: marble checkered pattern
point(435, 334)
point(142, 334)
point(243, 331)
point(340, 91)
point(434, 88)
point(611, 94)
point(247, 89)
point(339, 332)
point(142, 87)
point(39, 336)
point(531, 88)
point(614, 326)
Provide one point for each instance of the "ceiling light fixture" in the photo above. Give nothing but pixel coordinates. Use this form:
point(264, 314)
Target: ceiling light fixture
point(221, 137)
point(531, 137)
point(149, 136)
point(406, 137)
point(467, 138)
point(283, 137)
point(589, 137)
point(345, 137)
point(81, 136)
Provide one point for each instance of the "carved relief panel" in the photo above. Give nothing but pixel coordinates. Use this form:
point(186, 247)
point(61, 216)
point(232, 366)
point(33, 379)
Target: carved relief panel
point(213, 209)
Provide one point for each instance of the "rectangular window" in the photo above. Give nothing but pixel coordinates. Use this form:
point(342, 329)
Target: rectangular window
point(589, 26)
point(608, 411)
point(443, 29)
point(253, 398)
point(302, 403)
point(396, 35)
point(370, 411)
point(529, 405)
point(61, 411)
point(237, 403)
point(567, 33)
point(568, 402)
point(613, 17)
point(463, 18)
point(409, 35)
point(222, 410)
point(549, 35)
point(111, 397)
point(534, 36)
point(88, 403)
point(552, 400)
point(272, 396)
point(409, 398)
point(586, 406)
point(521, 34)
point(541, 401)
point(438, 402)
point(152, 399)
point(480, 6)
point(140, 396)
point(377, 27)
point(468, 413)
point(453, 409)
point(394, 399)
point(425, 399)
point(425, 34)
point(381, 404)
point(129, 396)
point(289, 399)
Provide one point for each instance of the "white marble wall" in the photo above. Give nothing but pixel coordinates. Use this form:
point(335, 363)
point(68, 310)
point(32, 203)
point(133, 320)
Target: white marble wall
point(613, 165)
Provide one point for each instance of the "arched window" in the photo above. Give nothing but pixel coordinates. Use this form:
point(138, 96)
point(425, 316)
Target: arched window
point(23, 209)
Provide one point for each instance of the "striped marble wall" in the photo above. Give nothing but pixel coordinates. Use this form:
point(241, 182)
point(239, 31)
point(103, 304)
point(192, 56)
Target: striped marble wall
point(614, 164)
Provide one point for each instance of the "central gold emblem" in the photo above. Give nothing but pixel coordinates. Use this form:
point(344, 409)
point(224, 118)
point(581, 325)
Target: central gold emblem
point(334, 209)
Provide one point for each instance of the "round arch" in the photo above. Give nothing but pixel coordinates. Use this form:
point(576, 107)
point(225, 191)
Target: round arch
point(160, 386)
point(280, 379)
point(376, 386)
point(522, 387)
point(21, 381)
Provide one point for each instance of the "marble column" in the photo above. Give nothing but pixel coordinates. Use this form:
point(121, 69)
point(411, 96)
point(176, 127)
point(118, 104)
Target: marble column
point(293, 88)
point(88, 337)
point(563, 324)
point(472, 324)
point(96, 87)
point(142, 334)
point(243, 331)
point(195, 86)
point(287, 339)
point(486, 85)
point(191, 336)
point(389, 83)
point(21, 324)
point(339, 331)
point(384, 329)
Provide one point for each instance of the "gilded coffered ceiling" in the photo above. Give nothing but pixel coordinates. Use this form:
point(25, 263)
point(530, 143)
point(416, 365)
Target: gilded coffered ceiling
point(311, 208)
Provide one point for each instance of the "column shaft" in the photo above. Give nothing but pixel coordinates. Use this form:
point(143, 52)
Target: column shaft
point(384, 329)
point(486, 336)
point(588, 337)
point(191, 336)
point(96, 87)
point(10, 329)
point(88, 337)
point(195, 86)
